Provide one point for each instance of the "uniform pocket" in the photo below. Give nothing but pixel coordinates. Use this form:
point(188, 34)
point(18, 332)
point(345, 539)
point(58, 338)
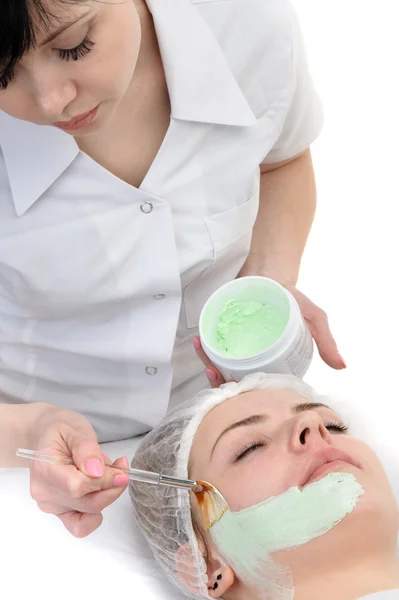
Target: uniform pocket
point(231, 234)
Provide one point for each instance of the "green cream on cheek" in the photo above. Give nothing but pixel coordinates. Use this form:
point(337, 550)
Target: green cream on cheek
point(248, 327)
point(247, 538)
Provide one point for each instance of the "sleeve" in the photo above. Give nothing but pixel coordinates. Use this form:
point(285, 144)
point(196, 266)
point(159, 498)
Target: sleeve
point(304, 119)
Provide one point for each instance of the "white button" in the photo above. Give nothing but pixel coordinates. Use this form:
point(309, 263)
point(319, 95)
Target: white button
point(146, 207)
point(151, 370)
point(159, 296)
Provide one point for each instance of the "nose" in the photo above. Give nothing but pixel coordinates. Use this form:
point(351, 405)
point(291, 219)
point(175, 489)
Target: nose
point(307, 430)
point(53, 97)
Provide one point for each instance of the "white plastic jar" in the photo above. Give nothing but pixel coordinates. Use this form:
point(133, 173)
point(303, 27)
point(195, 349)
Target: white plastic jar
point(291, 353)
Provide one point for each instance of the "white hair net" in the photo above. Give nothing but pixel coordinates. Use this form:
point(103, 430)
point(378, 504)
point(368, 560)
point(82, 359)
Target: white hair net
point(164, 514)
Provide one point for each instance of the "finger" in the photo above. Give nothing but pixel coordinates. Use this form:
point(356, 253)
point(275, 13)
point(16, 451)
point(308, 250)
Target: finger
point(86, 452)
point(89, 459)
point(215, 377)
point(97, 501)
point(55, 483)
point(120, 477)
point(89, 503)
point(81, 525)
point(114, 477)
point(201, 353)
point(326, 344)
point(49, 508)
point(65, 486)
point(122, 463)
point(94, 502)
point(106, 458)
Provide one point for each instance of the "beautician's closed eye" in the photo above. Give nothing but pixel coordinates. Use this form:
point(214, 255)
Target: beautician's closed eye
point(67, 54)
point(78, 52)
point(74, 52)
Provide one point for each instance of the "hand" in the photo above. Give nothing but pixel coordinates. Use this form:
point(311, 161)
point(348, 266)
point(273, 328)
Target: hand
point(317, 321)
point(75, 494)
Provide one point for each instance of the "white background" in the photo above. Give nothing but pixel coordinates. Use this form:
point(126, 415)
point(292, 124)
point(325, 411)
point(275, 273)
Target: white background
point(350, 269)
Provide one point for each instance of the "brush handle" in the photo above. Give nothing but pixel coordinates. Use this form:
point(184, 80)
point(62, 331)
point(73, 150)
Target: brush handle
point(134, 474)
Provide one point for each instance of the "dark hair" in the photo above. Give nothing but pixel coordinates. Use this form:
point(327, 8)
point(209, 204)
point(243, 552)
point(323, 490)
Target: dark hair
point(19, 19)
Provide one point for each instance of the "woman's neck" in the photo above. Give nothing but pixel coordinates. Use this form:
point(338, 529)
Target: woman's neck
point(351, 583)
point(149, 48)
point(356, 581)
point(147, 95)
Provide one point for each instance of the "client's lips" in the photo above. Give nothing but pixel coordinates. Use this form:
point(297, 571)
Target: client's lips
point(326, 461)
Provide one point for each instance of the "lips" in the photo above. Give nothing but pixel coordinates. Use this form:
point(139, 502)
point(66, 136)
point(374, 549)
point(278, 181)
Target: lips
point(330, 459)
point(78, 121)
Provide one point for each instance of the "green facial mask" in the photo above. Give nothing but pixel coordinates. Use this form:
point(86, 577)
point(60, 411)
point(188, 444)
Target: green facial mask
point(246, 328)
point(247, 538)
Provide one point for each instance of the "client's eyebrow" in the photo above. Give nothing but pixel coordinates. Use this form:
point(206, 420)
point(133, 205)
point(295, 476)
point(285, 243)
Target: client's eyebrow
point(259, 419)
point(252, 420)
point(51, 37)
point(298, 408)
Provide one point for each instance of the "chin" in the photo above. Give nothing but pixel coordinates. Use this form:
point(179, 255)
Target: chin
point(85, 132)
point(93, 128)
point(102, 120)
point(375, 521)
point(369, 529)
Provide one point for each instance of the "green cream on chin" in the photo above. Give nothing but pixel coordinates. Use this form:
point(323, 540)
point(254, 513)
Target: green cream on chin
point(247, 538)
point(248, 327)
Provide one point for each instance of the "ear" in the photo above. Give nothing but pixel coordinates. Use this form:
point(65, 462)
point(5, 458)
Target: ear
point(220, 575)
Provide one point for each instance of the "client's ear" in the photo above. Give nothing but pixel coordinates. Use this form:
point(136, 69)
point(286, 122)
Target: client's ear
point(220, 575)
point(220, 578)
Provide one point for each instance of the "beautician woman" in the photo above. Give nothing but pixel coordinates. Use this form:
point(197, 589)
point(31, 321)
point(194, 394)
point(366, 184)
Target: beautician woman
point(151, 150)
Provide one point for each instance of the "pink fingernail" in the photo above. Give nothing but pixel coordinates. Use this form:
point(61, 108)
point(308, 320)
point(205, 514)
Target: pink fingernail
point(120, 480)
point(125, 462)
point(94, 467)
point(342, 360)
point(197, 344)
point(211, 374)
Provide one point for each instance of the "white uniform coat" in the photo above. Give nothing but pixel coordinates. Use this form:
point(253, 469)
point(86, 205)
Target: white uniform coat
point(101, 283)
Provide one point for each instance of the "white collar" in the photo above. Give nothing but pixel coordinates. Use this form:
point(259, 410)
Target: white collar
point(201, 85)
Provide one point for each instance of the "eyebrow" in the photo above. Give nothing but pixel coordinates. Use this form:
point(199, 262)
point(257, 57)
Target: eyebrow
point(259, 419)
point(52, 36)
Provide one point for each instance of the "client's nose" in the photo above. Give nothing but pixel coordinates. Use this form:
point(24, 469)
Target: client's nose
point(308, 429)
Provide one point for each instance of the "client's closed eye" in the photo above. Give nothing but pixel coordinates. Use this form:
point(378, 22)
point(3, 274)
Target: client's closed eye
point(333, 426)
point(249, 449)
point(337, 427)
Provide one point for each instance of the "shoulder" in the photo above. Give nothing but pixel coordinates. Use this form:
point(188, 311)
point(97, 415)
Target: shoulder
point(263, 20)
point(259, 40)
point(254, 35)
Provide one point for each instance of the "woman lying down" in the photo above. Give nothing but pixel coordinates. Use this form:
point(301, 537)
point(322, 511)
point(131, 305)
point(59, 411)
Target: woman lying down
point(311, 513)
